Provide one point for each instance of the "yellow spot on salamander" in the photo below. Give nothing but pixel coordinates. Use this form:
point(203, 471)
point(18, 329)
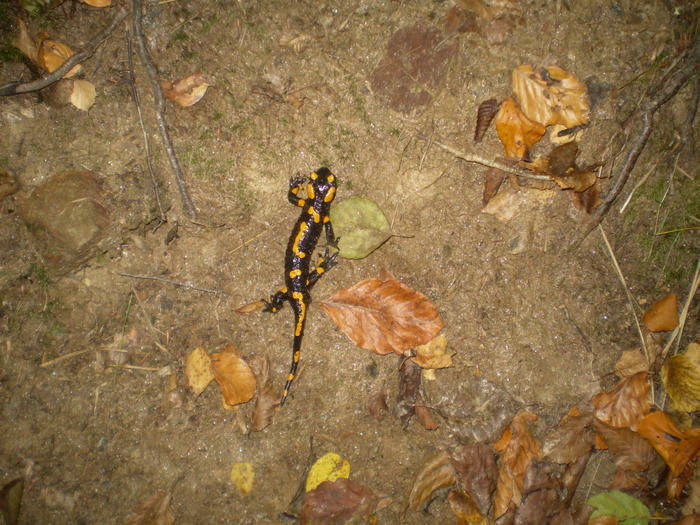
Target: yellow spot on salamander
point(330, 178)
point(313, 176)
point(296, 356)
point(317, 216)
point(302, 311)
point(295, 247)
point(294, 273)
point(326, 219)
point(301, 203)
point(329, 196)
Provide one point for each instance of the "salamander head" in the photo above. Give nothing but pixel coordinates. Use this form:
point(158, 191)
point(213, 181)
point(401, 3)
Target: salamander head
point(324, 184)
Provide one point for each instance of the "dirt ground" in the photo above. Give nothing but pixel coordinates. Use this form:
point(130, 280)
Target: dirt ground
point(292, 89)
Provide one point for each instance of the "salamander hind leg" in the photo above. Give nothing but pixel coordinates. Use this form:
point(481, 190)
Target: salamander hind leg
point(277, 301)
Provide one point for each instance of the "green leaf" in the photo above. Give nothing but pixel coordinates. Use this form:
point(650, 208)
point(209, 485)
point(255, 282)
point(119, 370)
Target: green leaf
point(628, 509)
point(361, 226)
point(10, 500)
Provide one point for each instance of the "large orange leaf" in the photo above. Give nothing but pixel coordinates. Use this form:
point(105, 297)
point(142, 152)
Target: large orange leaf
point(516, 131)
point(626, 404)
point(675, 447)
point(233, 375)
point(663, 314)
point(516, 455)
point(384, 315)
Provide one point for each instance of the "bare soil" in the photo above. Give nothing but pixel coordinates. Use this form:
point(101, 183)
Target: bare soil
point(544, 321)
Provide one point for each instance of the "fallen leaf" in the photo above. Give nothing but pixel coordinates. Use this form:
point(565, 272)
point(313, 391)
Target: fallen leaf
point(243, 475)
point(187, 91)
point(475, 467)
point(266, 398)
point(681, 378)
point(551, 96)
point(83, 94)
point(376, 403)
point(577, 181)
point(234, 376)
point(340, 501)
point(11, 500)
point(629, 450)
point(516, 455)
point(98, 3)
point(663, 314)
point(198, 370)
point(409, 386)
point(516, 131)
point(626, 404)
point(628, 509)
point(541, 501)
point(154, 510)
point(53, 54)
point(571, 438)
point(255, 306)
point(676, 448)
point(465, 509)
point(484, 115)
point(492, 182)
point(631, 362)
point(328, 467)
point(384, 316)
point(26, 43)
point(423, 415)
point(437, 472)
point(433, 354)
point(361, 226)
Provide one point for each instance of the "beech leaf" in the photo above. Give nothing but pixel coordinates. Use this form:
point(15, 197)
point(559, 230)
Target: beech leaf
point(627, 509)
point(361, 226)
point(234, 376)
point(384, 316)
point(517, 132)
point(676, 448)
point(626, 404)
point(681, 377)
point(437, 472)
point(340, 501)
point(663, 314)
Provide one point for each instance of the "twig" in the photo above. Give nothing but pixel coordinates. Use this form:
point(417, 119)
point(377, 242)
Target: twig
point(145, 314)
point(159, 101)
point(135, 95)
point(137, 367)
point(63, 358)
point(669, 85)
point(469, 157)
point(627, 290)
point(16, 88)
point(176, 283)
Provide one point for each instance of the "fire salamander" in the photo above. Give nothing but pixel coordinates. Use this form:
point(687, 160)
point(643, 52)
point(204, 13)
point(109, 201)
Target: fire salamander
point(299, 278)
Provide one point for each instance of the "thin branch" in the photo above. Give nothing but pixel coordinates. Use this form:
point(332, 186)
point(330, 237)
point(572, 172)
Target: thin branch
point(159, 101)
point(175, 283)
point(16, 88)
point(470, 157)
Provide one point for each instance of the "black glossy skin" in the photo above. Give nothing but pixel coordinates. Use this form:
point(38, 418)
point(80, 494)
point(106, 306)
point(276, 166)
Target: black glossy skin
point(299, 278)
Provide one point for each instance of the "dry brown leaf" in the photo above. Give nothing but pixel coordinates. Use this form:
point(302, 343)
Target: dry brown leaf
point(551, 96)
point(98, 3)
point(629, 450)
point(631, 362)
point(187, 91)
point(154, 510)
point(433, 354)
point(516, 131)
point(409, 385)
point(604, 520)
point(25, 42)
point(376, 403)
point(234, 376)
point(484, 115)
point(676, 448)
point(521, 448)
point(475, 466)
point(626, 480)
point(681, 378)
point(266, 398)
point(465, 509)
point(626, 404)
point(198, 370)
point(577, 180)
point(83, 94)
point(53, 54)
point(384, 316)
point(423, 414)
point(437, 472)
point(339, 501)
point(255, 306)
point(571, 439)
point(492, 182)
point(663, 314)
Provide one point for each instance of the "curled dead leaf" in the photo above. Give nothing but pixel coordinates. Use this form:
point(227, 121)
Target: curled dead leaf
point(26, 42)
point(53, 54)
point(83, 94)
point(187, 91)
point(437, 472)
point(676, 448)
point(626, 404)
point(433, 354)
point(384, 316)
point(475, 466)
point(340, 501)
point(517, 132)
point(663, 314)
point(234, 376)
point(266, 398)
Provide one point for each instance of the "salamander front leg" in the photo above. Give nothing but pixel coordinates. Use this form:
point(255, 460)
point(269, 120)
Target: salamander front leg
point(325, 263)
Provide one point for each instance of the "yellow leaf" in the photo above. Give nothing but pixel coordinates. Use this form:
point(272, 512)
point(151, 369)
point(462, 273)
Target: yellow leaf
point(198, 370)
point(83, 94)
point(53, 54)
point(242, 475)
point(433, 355)
point(681, 377)
point(328, 468)
point(98, 3)
point(517, 131)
